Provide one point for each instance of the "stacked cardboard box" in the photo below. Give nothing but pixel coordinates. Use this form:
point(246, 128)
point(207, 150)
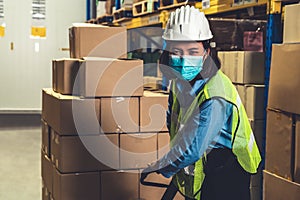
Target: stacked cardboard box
point(100, 128)
point(233, 34)
point(291, 28)
point(283, 165)
point(246, 70)
point(282, 177)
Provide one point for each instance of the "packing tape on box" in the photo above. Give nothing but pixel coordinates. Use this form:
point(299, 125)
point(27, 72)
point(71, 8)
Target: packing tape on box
point(120, 99)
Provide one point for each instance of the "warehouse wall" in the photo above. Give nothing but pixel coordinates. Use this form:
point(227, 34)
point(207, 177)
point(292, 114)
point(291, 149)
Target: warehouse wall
point(25, 71)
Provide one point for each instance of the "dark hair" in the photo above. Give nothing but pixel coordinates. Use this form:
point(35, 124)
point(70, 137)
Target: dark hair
point(210, 66)
point(212, 63)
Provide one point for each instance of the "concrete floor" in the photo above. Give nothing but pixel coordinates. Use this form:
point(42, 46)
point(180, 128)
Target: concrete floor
point(20, 163)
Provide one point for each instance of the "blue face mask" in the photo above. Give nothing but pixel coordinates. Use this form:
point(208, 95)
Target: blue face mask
point(188, 66)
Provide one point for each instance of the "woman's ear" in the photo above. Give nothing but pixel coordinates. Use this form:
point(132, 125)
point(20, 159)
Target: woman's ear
point(207, 53)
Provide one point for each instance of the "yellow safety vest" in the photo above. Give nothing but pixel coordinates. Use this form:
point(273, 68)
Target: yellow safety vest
point(243, 142)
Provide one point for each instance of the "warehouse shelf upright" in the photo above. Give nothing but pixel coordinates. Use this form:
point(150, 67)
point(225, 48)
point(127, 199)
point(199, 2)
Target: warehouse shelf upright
point(273, 35)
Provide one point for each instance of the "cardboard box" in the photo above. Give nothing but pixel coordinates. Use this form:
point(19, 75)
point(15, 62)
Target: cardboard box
point(152, 83)
point(284, 78)
point(225, 58)
point(258, 128)
point(127, 3)
point(70, 115)
point(104, 77)
point(149, 193)
point(276, 187)
point(137, 150)
point(250, 67)
point(46, 195)
point(297, 151)
point(64, 72)
point(85, 153)
point(76, 186)
point(119, 185)
point(222, 56)
point(279, 143)
point(229, 33)
point(253, 40)
point(100, 8)
point(120, 114)
point(253, 98)
point(47, 172)
point(163, 143)
point(291, 26)
point(46, 138)
point(153, 108)
point(91, 40)
point(109, 4)
point(243, 67)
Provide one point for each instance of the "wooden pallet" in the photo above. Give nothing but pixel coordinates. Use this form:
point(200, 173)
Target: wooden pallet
point(122, 14)
point(169, 4)
point(145, 7)
point(105, 19)
point(91, 21)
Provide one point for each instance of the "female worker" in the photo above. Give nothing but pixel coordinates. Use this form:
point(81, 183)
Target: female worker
point(213, 151)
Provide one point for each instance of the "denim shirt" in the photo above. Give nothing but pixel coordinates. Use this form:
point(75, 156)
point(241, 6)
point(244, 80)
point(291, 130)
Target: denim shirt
point(208, 128)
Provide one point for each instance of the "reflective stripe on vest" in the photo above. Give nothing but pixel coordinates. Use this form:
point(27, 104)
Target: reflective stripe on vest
point(243, 143)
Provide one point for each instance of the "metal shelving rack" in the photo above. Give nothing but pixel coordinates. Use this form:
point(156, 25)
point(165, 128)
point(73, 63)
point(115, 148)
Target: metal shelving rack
point(161, 16)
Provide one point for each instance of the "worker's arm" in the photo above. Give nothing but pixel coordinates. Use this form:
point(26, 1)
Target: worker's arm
point(195, 137)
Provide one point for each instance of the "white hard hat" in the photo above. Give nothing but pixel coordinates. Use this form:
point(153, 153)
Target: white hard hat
point(187, 24)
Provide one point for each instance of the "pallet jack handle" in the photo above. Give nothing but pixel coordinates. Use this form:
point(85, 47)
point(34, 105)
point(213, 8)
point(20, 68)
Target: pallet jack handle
point(170, 191)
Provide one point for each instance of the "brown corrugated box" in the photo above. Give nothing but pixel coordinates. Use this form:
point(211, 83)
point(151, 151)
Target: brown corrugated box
point(137, 150)
point(109, 4)
point(77, 186)
point(64, 72)
point(118, 185)
point(46, 138)
point(153, 108)
point(152, 83)
point(279, 143)
point(291, 27)
point(284, 78)
point(70, 115)
point(105, 77)
point(152, 193)
point(276, 187)
point(73, 153)
point(250, 67)
point(243, 67)
point(297, 151)
point(228, 33)
point(253, 98)
point(120, 114)
point(222, 57)
point(90, 40)
point(46, 195)
point(163, 142)
point(47, 172)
